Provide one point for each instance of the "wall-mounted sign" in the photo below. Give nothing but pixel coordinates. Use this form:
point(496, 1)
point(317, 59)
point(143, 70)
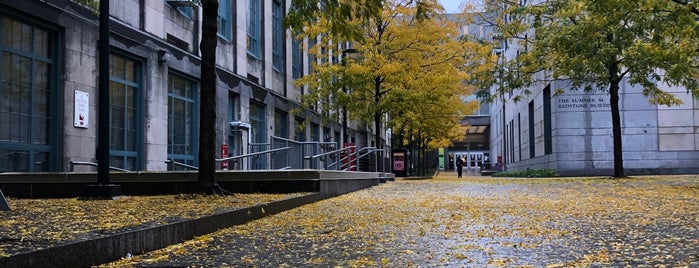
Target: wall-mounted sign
point(82, 109)
point(594, 102)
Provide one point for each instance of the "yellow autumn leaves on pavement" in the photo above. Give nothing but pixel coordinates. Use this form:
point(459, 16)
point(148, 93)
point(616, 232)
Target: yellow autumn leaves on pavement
point(478, 221)
point(36, 223)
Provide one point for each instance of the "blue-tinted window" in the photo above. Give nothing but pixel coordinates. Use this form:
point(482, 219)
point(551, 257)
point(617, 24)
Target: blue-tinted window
point(125, 107)
point(182, 120)
point(299, 132)
point(281, 124)
point(258, 135)
point(224, 19)
point(278, 35)
point(27, 93)
point(254, 29)
point(296, 59)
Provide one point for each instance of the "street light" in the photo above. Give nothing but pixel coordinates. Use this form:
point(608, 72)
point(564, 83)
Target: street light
point(344, 90)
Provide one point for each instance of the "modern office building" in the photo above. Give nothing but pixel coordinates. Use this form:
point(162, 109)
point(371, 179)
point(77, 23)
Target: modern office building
point(49, 70)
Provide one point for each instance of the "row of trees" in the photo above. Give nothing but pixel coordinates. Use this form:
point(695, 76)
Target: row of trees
point(595, 46)
point(408, 70)
point(412, 62)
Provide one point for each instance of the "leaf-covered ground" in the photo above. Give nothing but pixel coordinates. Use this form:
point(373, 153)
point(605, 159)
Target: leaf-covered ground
point(39, 223)
point(471, 222)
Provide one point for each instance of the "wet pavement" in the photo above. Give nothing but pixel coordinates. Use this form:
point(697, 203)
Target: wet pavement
point(471, 222)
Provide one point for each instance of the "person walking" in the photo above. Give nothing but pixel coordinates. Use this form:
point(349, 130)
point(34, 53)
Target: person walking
point(459, 165)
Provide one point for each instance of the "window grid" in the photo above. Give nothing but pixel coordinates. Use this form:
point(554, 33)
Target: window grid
point(182, 120)
point(278, 35)
point(296, 59)
point(253, 33)
point(224, 19)
point(27, 69)
point(125, 119)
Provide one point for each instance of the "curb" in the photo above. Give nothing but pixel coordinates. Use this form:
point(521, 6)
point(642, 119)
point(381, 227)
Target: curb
point(113, 247)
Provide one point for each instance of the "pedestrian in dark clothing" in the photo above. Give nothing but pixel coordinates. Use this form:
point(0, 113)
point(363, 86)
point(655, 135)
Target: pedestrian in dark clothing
point(459, 165)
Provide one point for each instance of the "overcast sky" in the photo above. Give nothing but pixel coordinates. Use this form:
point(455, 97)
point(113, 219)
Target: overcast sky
point(451, 6)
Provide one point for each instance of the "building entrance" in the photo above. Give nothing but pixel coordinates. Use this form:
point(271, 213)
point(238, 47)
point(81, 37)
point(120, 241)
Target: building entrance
point(472, 160)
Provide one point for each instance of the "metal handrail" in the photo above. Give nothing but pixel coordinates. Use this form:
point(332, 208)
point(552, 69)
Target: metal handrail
point(236, 157)
point(375, 151)
point(79, 163)
point(255, 154)
point(170, 161)
point(331, 152)
point(338, 151)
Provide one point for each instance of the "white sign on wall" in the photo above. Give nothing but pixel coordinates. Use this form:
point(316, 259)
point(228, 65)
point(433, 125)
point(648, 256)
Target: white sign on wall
point(82, 109)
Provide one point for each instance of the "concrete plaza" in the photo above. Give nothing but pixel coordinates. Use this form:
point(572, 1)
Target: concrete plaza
point(650, 221)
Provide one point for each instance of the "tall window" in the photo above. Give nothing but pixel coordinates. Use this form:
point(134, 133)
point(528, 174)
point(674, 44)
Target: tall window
point(311, 57)
point(257, 125)
point(182, 120)
point(281, 124)
point(125, 90)
point(299, 133)
point(224, 19)
point(234, 138)
point(296, 59)
point(254, 29)
point(278, 35)
point(27, 88)
point(315, 132)
point(532, 149)
point(519, 136)
point(548, 140)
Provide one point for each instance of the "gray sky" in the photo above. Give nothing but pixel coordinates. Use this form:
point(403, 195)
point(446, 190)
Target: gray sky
point(451, 6)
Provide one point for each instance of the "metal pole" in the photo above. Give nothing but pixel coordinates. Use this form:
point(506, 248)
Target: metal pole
point(103, 104)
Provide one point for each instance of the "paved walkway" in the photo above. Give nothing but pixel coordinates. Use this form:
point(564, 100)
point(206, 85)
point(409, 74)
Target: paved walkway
point(469, 222)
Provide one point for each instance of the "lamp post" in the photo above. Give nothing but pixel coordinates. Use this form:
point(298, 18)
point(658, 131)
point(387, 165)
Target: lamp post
point(344, 90)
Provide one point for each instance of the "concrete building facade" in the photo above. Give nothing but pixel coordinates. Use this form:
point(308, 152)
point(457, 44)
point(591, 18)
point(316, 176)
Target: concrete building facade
point(48, 83)
point(572, 132)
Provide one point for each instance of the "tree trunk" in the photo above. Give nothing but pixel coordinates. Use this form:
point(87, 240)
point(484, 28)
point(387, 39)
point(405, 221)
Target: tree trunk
point(207, 108)
point(616, 120)
point(377, 114)
point(616, 131)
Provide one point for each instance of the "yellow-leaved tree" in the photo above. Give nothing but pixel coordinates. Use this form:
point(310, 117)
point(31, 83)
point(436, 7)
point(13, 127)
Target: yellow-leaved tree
point(400, 63)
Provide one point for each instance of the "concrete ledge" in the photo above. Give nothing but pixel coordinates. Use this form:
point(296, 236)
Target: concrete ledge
point(41, 185)
point(114, 247)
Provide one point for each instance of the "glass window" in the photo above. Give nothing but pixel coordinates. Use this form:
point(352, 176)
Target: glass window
point(234, 138)
point(299, 132)
point(277, 35)
point(224, 19)
point(185, 10)
point(315, 132)
point(296, 59)
point(27, 88)
point(257, 125)
point(182, 120)
point(281, 124)
point(311, 57)
point(125, 109)
point(253, 33)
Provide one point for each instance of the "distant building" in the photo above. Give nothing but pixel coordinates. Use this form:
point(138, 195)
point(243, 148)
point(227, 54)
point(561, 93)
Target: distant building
point(474, 147)
point(48, 83)
point(572, 132)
